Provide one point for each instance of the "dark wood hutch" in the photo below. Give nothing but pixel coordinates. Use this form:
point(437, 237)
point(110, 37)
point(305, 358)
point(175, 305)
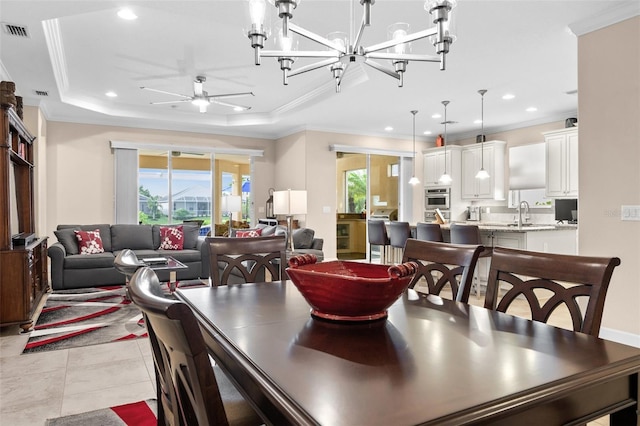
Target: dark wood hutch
point(23, 268)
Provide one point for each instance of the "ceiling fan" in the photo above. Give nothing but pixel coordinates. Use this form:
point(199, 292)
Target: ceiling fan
point(201, 98)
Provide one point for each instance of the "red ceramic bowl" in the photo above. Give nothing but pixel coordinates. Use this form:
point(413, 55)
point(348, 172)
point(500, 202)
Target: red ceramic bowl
point(349, 291)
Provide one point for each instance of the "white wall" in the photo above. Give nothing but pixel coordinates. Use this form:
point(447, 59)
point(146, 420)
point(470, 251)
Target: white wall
point(609, 164)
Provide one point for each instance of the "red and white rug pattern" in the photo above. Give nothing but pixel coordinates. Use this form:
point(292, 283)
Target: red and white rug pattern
point(140, 413)
point(83, 317)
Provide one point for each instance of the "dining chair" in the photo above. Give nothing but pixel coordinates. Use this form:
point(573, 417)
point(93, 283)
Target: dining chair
point(429, 232)
point(377, 231)
point(126, 262)
point(470, 234)
point(548, 281)
point(399, 233)
point(443, 265)
point(246, 260)
point(191, 391)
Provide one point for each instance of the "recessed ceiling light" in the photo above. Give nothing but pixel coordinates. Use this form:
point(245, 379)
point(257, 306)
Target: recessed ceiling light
point(508, 96)
point(238, 108)
point(388, 128)
point(127, 14)
point(111, 94)
point(436, 115)
point(477, 121)
point(531, 109)
point(427, 132)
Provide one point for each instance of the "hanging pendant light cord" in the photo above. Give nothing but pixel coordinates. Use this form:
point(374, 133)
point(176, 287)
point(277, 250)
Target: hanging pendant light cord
point(482, 92)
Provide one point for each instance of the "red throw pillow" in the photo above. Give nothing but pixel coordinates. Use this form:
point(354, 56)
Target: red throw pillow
point(89, 242)
point(171, 238)
point(249, 234)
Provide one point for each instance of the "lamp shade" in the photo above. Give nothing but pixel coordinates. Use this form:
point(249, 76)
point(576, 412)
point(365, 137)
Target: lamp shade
point(231, 203)
point(290, 202)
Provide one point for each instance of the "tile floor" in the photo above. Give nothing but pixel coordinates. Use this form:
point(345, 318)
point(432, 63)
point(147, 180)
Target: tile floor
point(38, 386)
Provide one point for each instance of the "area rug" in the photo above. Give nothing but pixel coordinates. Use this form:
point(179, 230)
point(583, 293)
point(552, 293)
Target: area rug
point(88, 316)
point(140, 413)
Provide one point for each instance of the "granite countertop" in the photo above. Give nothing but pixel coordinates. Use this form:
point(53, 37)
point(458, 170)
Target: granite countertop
point(505, 227)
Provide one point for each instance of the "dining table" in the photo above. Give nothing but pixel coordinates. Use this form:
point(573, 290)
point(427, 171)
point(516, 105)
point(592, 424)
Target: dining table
point(431, 361)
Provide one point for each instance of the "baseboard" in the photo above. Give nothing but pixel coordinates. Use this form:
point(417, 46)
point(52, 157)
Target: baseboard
point(620, 336)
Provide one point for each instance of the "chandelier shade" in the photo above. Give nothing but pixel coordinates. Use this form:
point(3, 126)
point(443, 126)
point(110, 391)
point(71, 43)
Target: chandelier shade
point(339, 53)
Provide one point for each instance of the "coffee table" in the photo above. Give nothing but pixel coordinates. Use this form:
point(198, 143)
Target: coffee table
point(172, 265)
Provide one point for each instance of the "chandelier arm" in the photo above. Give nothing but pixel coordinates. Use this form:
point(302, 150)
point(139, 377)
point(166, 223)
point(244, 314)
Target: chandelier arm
point(374, 64)
point(406, 39)
point(312, 67)
point(403, 57)
point(339, 79)
point(229, 95)
point(300, 54)
point(315, 37)
point(171, 102)
point(166, 93)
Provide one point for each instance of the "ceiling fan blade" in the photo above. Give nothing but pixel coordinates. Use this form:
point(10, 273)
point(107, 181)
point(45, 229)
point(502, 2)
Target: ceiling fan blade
point(244, 108)
point(229, 95)
point(171, 102)
point(166, 93)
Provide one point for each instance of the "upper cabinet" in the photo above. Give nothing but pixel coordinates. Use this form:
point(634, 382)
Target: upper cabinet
point(434, 164)
point(562, 163)
point(491, 156)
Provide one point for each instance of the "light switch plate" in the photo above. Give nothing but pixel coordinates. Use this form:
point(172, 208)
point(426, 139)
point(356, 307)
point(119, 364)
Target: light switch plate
point(630, 213)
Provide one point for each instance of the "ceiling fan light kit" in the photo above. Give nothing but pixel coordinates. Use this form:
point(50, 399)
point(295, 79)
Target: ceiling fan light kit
point(201, 98)
point(342, 51)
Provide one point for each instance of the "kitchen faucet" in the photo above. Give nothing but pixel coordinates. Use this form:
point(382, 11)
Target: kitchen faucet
point(526, 212)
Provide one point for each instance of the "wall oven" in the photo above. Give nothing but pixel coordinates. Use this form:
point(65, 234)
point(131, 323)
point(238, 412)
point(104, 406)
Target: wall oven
point(437, 198)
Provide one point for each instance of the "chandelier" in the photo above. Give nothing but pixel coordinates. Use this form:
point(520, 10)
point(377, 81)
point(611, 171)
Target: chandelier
point(342, 51)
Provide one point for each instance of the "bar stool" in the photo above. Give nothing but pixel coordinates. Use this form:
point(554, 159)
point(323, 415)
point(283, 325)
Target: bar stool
point(377, 231)
point(470, 234)
point(429, 232)
point(399, 233)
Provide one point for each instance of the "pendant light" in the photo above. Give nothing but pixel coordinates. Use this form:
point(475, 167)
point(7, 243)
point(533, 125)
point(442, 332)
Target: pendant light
point(445, 179)
point(414, 180)
point(482, 173)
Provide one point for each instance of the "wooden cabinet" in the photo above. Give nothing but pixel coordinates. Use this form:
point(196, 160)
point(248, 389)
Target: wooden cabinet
point(561, 149)
point(23, 269)
point(492, 158)
point(434, 164)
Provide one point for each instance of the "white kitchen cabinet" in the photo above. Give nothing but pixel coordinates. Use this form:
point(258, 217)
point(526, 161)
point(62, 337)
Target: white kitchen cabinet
point(492, 188)
point(434, 164)
point(561, 148)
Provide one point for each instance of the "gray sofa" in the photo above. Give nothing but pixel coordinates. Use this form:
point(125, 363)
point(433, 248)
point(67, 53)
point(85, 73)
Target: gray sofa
point(304, 241)
point(71, 270)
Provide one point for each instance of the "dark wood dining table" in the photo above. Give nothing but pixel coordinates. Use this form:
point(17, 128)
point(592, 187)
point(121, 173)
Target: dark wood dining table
point(432, 361)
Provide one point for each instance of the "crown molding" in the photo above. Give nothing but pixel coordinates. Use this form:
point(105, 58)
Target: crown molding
point(617, 13)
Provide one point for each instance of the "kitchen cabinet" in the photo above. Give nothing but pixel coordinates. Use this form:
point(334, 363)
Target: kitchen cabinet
point(343, 237)
point(492, 188)
point(434, 164)
point(561, 150)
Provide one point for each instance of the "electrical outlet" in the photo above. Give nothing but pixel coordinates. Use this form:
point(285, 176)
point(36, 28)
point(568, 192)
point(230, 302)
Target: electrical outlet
point(630, 213)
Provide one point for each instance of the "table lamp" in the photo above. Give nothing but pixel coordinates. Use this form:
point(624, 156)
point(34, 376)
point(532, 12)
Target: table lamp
point(289, 203)
point(230, 204)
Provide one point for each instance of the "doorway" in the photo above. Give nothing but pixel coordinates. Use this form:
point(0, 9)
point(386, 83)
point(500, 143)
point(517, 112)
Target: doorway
point(366, 184)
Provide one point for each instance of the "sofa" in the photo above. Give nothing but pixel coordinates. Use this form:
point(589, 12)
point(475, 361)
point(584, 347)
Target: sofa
point(70, 269)
point(304, 241)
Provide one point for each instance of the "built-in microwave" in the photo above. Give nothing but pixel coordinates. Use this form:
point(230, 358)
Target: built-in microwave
point(437, 198)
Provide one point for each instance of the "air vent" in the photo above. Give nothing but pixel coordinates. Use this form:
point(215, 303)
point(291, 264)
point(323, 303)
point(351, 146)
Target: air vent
point(41, 92)
point(16, 30)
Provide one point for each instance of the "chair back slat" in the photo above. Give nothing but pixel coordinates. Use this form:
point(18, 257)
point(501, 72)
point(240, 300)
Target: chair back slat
point(442, 265)
point(524, 274)
point(234, 260)
point(188, 392)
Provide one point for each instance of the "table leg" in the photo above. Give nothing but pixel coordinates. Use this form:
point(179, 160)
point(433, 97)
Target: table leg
point(172, 281)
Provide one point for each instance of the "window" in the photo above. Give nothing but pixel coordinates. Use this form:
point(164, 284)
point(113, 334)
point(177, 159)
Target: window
point(356, 190)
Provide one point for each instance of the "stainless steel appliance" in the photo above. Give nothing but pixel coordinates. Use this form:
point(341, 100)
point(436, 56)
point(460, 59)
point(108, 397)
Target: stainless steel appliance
point(437, 198)
point(474, 213)
point(384, 214)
